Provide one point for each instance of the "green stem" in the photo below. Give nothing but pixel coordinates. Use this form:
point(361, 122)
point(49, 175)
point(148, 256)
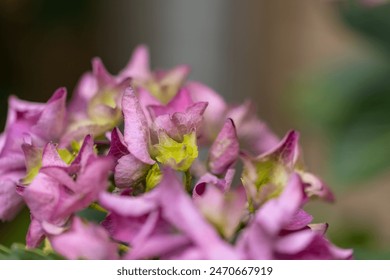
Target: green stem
point(188, 181)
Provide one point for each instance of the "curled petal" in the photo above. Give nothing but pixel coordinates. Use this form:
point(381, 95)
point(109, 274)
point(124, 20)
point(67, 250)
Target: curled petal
point(225, 149)
point(287, 151)
point(315, 187)
point(118, 147)
point(179, 123)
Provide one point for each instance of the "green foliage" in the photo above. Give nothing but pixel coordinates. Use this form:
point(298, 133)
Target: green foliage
point(19, 252)
point(349, 103)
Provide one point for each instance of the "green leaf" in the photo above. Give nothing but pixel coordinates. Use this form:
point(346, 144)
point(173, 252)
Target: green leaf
point(19, 252)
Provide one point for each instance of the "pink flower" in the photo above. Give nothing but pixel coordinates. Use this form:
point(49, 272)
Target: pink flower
point(59, 190)
point(155, 227)
point(279, 230)
point(96, 104)
point(36, 123)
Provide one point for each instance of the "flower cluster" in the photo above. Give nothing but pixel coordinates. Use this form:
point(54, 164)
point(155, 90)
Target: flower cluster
point(171, 169)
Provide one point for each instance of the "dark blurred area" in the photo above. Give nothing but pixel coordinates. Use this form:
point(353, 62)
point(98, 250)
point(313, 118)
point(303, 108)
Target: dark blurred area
point(321, 67)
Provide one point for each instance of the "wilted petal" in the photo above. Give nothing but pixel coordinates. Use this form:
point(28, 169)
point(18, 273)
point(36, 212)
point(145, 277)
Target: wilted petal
point(315, 187)
point(84, 241)
point(224, 151)
point(210, 179)
point(136, 128)
point(181, 123)
point(319, 228)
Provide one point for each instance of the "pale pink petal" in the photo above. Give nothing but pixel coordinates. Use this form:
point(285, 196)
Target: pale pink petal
point(136, 135)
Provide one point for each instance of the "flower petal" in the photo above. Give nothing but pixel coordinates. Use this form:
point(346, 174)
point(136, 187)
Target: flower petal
point(96, 243)
point(224, 151)
point(179, 103)
point(138, 65)
point(136, 135)
point(129, 170)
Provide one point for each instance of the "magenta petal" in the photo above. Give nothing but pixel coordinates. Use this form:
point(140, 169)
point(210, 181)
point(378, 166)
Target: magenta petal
point(201, 185)
point(225, 149)
point(300, 220)
point(192, 116)
point(84, 241)
point(118, 148)
point(180, 123)
point(136, 127)
point(35, 234)
point(85, 152)
point(93, 178)
point(287, 151)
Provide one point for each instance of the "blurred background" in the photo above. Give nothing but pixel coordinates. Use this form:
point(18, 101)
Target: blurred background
point(321, 67)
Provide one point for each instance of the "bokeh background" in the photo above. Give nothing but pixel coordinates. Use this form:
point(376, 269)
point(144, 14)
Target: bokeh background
point(319, 66)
